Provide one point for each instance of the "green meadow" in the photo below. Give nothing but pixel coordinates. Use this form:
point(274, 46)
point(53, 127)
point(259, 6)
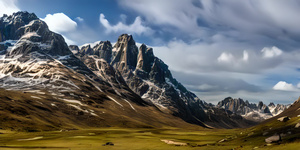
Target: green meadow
point(139, 139)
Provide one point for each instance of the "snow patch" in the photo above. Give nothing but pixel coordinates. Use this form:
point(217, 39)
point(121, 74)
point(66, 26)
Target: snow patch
point(73, 101)
point(129, 104)
point(115, 100)
point(35, 97)
point(30, 34)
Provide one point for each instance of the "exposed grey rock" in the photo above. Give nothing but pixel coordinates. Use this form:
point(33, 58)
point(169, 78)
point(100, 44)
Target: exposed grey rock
point(10, 24)
point(74, 49)
point(29, 29)
point(86, 50)
point(278, 108)
point(271, 104)
point(124, 57)
point(273, 139)
point(103, 50)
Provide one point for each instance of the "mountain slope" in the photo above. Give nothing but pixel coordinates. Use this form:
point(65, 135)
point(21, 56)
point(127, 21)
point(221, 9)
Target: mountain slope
point(44, 86)
point(120, 85)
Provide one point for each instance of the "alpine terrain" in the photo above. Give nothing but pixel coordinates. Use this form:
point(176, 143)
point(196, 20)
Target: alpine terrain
point(45, 82)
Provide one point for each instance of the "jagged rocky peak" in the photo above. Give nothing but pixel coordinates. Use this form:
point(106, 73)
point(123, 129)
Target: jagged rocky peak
point(103, 50)
point(32, 35)
point(252, 111)
point(74, 48)
point(260, 105)
point(263, 107)
point(145, 58)
point(234, 105)
point(9, 24)
point(271, 104)
point(86, 50)
point(125, 53)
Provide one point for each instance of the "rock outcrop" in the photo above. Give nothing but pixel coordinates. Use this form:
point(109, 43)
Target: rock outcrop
point(284, 119)
point(273, 139)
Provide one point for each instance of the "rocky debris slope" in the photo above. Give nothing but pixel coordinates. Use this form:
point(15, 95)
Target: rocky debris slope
point(256, 112)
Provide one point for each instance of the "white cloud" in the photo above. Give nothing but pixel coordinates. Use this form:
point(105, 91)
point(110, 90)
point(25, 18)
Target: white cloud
point(8, 7)
point(59, 22)
point(245, 56)
point(136, 27)
point(284, 86)
point(270, 52)
point(181, 14)
point(226, 57)
point(79, 19)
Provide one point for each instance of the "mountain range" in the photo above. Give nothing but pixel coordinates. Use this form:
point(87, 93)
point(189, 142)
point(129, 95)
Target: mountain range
point(47, 83)
point(256, 112)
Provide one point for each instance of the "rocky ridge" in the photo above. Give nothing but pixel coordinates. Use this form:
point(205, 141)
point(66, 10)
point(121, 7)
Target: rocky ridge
point(137, 68)
point(256, 112)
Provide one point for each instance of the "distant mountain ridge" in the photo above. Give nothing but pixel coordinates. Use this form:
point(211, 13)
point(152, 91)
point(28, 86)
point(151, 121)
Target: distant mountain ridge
point(256, 112)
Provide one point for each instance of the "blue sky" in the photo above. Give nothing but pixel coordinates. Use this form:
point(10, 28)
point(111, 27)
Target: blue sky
point(247, 49)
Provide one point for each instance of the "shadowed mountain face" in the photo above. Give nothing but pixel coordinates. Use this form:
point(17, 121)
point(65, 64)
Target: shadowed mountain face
point(44, 83)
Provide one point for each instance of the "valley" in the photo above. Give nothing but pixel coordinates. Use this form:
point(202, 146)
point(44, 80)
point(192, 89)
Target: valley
point(141, 138)
point(118, 96)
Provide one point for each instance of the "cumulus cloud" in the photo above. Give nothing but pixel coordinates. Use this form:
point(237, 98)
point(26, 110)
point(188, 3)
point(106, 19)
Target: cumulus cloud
point(59, 22)
point(136, 27)
point(226, 57)
point(8, 7)
point(245, 56)
point(269, 52)
point(284, 86)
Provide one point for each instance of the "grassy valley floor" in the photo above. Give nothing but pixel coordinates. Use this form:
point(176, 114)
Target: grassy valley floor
point(131, 139)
